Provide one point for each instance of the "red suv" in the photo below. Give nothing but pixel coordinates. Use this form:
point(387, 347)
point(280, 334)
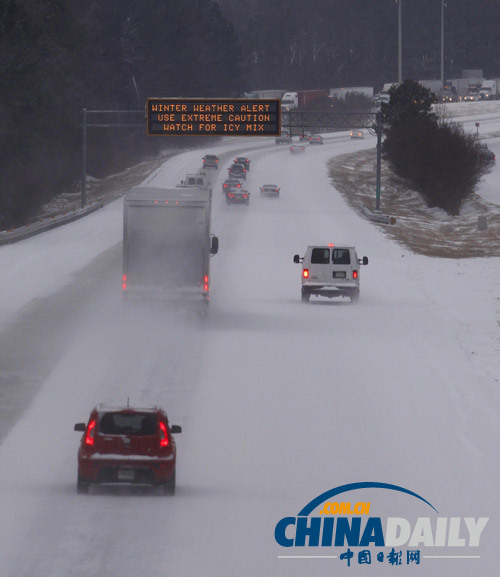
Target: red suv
point(127, 445)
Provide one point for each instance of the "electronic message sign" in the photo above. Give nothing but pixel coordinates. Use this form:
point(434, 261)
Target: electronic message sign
point(216, 116)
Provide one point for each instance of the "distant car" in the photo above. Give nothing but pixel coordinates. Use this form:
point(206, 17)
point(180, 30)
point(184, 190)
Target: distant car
point(486, 153)
point(472, 96)
point(237, 171)
point(357, 134)
point(330, 271)
point(244, 161)
point(269, 190)
point(304, 137)
point(231, 183)
point(316, 139)
point(127, 445)
point(238, 196)
point(297, 148)
point(211, 161)
point(447, 96)
point(284, 138)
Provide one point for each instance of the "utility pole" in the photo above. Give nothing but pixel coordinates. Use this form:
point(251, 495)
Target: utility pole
point(400, 45)
point(443, 5)
point(84, 157)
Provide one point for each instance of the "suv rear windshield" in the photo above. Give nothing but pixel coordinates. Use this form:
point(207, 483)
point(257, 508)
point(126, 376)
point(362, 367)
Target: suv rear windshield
point(128, 424)
point(320, 256)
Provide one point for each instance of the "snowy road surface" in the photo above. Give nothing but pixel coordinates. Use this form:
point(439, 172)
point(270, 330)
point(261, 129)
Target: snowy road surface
point(279, 401)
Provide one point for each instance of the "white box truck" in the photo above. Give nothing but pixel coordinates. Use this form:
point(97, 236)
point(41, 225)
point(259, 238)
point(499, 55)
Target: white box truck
point(490, 89)
point(167, 244)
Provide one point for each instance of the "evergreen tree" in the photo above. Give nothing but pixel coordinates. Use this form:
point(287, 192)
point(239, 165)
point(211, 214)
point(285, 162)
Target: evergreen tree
point(440, 160)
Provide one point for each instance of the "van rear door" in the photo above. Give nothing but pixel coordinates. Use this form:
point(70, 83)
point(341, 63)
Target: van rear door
point(341, 264)
point(320, 266)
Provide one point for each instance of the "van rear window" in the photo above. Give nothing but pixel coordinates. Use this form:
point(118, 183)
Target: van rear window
point(341, 256)
point(320, 256)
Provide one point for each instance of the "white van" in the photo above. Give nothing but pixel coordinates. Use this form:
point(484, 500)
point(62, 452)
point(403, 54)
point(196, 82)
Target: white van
point(330, 271)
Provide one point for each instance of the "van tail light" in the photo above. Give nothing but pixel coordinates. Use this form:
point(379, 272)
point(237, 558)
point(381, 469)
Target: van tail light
point(89, 436)
point(354, 274)
point(163, 435)
point(305, 273)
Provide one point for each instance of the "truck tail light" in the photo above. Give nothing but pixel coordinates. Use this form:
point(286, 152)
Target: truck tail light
point(354, 274)
point(89, 436)
point(124, 282)
point(244, 195)
point(305, 273)
point(163, 435)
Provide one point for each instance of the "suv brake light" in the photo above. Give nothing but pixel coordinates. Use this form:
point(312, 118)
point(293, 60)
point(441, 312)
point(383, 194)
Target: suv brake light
point(305, 273)
point(89, 437)
point(354, 274)
point(163, 435)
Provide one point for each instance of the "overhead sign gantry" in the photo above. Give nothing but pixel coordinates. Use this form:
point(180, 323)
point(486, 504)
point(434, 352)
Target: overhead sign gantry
point(214, 117)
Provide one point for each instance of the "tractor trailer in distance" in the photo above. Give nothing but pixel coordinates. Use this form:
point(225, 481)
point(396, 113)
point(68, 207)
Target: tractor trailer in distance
point(167, 244)
point(301, 99)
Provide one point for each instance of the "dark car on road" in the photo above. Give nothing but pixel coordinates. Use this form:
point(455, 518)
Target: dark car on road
point(231, 183)
point(243, 160)
point(127, 445)
point(211, 161)
point(283, 138)
point(237, 171)
point(355, 133)
point(270, 190)
point(316, 139)
point(238, 196)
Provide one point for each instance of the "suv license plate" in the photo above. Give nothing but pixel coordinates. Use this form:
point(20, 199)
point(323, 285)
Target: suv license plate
point(339, 274)
point(126, 474)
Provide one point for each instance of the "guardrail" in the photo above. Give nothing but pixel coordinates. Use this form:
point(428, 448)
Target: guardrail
point(16, 234)
point(377, 216)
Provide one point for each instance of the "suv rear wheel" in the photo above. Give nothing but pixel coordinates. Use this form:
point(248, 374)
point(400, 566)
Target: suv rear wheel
point(355, 297)
point(305, 296)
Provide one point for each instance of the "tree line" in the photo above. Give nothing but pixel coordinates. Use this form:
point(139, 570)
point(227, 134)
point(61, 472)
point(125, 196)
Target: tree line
point(60, 56)
point(301, 45)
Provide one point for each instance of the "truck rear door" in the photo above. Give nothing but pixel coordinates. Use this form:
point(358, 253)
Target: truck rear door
point(166, 247)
